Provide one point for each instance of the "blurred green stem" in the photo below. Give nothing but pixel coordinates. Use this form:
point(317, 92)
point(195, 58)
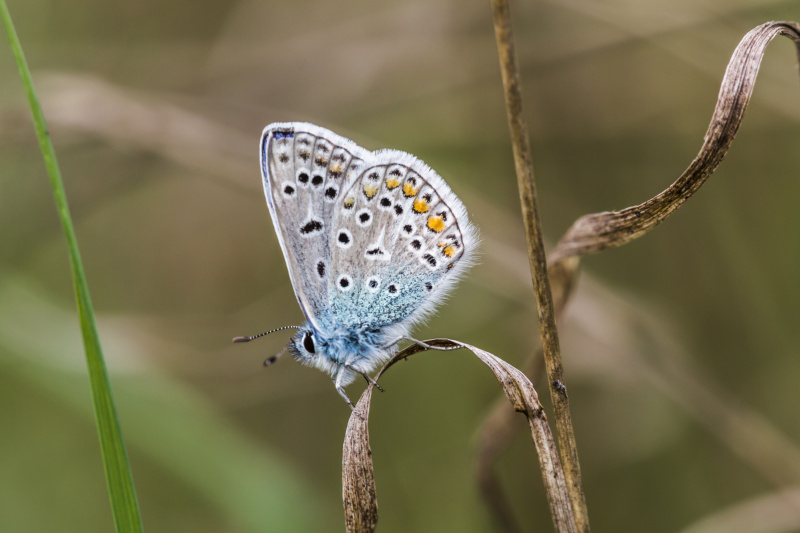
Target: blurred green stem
point(124, 504)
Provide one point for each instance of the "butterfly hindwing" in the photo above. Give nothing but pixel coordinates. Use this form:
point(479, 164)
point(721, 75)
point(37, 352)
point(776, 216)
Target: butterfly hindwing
point(404, 243)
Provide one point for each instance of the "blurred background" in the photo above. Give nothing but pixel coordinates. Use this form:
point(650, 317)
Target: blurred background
point(680, 349)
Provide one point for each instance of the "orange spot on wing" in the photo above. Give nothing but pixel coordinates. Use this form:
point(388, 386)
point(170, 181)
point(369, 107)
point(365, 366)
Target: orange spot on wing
point(449, 251)
point(434, 223)
point(370, 190)
point(350, 202)
point(421, 206)
point(409, 190)
point(392, 183)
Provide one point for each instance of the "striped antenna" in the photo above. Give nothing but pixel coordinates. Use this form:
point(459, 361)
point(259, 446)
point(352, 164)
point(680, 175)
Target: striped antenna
point(248, 339)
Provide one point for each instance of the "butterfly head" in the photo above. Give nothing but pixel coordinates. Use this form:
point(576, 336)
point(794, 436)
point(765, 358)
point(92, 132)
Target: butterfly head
point(306, 345)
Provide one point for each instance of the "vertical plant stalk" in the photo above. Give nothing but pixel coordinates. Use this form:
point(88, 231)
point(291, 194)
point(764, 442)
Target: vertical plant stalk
point(124, 505)
point(541, 284)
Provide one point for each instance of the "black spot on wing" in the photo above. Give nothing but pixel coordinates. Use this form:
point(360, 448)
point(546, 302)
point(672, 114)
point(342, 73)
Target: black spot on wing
point(311, 226)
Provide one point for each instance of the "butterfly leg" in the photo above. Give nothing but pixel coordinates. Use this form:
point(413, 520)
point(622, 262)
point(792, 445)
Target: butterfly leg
point(372, 382)
point(367, 377)
point(337, 382)
point(343, 394)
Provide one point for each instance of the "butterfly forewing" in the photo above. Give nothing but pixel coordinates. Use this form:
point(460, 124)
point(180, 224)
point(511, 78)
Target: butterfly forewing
point(304, 173)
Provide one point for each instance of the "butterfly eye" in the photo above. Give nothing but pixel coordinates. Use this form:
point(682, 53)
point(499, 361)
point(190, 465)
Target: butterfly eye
point(308, 342)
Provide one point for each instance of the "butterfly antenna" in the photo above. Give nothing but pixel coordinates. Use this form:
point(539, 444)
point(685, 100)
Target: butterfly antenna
point(269, 360)
point(248, 339)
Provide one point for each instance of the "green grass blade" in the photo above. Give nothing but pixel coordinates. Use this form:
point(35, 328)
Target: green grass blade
point(124, 505)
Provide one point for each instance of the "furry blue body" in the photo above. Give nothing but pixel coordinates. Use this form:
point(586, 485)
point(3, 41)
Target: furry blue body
point(344, 353)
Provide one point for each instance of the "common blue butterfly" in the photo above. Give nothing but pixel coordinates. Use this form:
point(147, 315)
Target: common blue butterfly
point(373, 242)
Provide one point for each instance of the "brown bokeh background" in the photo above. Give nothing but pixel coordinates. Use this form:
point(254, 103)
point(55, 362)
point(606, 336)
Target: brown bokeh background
point(680, 349)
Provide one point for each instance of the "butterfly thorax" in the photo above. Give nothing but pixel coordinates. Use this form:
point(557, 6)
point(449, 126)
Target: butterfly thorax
point(346, 351)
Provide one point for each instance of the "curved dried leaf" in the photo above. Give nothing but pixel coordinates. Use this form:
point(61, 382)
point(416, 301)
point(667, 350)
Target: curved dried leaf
point(596, 232)
point(358, 478)
point(358, 474)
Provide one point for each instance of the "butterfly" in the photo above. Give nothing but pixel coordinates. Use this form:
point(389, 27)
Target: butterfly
point(373, 242)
